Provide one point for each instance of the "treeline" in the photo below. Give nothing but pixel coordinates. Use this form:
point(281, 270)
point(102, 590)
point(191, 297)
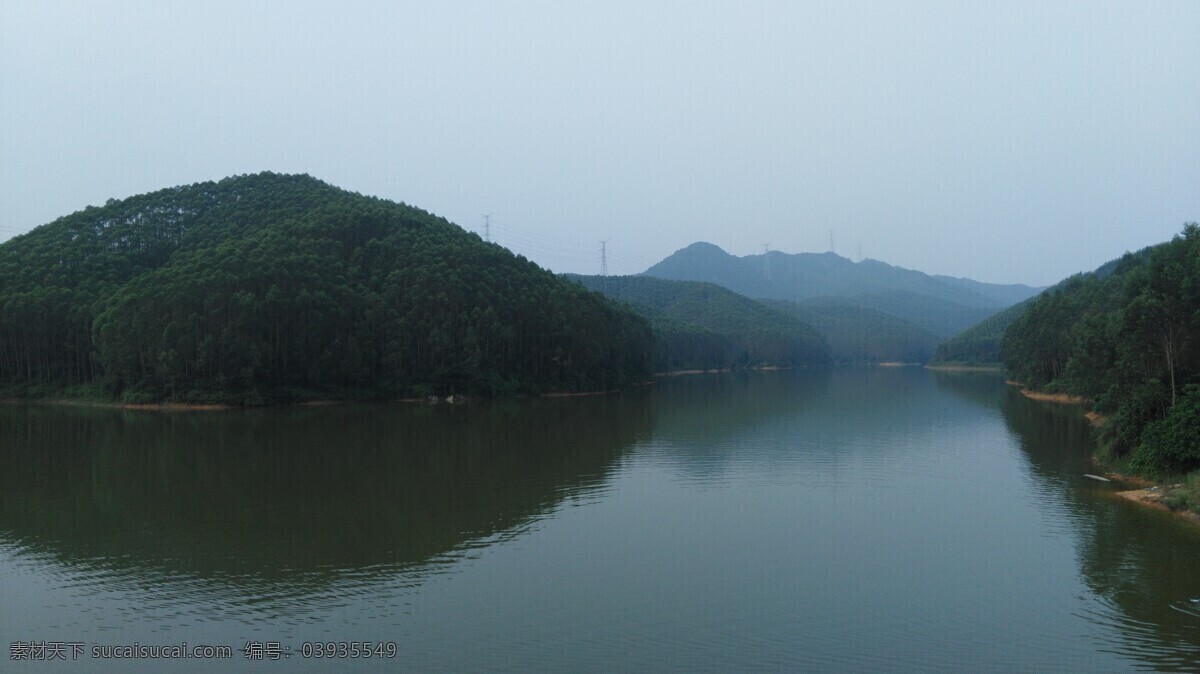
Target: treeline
point(269, 287)
point(1127, 339)
point(704, 326)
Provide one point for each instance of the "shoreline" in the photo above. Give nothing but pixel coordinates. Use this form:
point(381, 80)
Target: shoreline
point(176, 407)
point(1152, 497)
point(1061, 398)
point(1149, 493)
point(965, 368)
point(457, 397)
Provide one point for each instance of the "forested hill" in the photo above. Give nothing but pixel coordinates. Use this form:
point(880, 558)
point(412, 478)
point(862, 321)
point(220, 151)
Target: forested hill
point(783, 276)
point(1128, 339)
point(701, 325)
point(270, 287)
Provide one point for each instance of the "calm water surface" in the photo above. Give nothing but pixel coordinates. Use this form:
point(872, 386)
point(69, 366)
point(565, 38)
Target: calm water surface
point(854, 520)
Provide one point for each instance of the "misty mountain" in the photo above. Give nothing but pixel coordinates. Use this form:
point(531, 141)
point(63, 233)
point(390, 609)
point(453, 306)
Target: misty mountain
point(858, 334)
point(980, 344)
point(940, 304)
point(939, 317)
point(703, 325)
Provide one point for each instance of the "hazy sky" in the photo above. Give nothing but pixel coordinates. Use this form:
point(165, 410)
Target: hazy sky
point(1004, 141)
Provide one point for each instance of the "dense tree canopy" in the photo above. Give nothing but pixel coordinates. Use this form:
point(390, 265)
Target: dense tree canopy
point(274, 287)
point(1129, 340)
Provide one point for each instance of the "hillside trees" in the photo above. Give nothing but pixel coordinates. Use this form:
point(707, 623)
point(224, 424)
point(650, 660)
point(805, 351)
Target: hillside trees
point(1129, 341)
point(268, 287)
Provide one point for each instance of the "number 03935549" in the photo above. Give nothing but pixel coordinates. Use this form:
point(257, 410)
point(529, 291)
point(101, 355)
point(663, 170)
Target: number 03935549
point(348, 649)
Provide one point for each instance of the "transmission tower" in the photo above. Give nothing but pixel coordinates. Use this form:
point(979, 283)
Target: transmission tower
point(831, 241)
point(487, 227)
point(604, 258)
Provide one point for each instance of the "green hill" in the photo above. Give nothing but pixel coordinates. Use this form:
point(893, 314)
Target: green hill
point(1127, 338)
point(271, 287)
point(701, 325)
point(861, 335)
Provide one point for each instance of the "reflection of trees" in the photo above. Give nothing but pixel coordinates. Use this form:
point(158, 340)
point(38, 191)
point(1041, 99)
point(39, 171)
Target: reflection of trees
point(271, 493)
point(713, 407)
point(1057, 440)
point(1139, 563)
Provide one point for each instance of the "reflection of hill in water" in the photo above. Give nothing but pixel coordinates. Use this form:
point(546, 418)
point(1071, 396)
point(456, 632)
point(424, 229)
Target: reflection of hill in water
point(985, 389)
point(825, 419)
point(1142, 565)
point(711, 408)
point(274, 493)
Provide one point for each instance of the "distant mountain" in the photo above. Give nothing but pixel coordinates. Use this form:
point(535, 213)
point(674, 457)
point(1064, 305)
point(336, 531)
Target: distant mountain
point(938, 317)
point(941, 304)
point(980, 343)
point(857, 334)
point(702, 325)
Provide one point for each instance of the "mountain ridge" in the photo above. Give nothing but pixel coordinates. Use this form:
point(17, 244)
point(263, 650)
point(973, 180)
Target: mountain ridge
point(706, 326)
point(797, 276)
point(941, 305)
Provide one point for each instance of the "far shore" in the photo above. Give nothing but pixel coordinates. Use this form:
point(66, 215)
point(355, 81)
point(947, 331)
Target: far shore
point(176, 407)
point(949, 367)
point(681, 373)
point(458, 398)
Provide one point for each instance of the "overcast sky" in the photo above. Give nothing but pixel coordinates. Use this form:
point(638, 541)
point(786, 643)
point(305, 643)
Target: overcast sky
point(1003, 141)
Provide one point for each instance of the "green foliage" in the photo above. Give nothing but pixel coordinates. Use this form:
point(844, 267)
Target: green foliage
point(1186, 495)
point(1128, 338)
point(1172, 444)
point(268, 287)
point(701, 325)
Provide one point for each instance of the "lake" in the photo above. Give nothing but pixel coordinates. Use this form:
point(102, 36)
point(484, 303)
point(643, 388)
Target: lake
point(871, 519)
